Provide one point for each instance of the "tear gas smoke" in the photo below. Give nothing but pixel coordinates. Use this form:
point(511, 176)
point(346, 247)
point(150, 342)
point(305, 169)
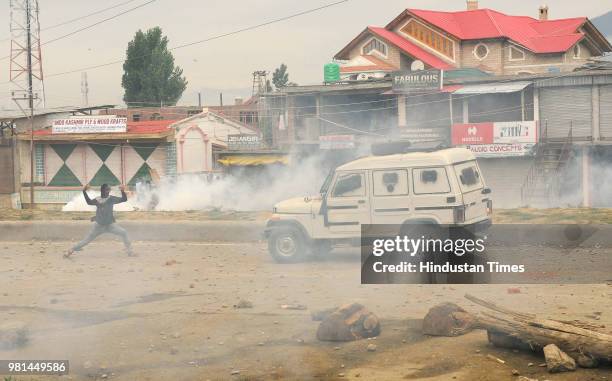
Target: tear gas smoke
point(249, 189)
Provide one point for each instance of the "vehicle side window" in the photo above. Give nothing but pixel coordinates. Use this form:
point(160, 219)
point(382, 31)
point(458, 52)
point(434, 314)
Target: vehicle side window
point(430, 180)
point(349, 184)
point(392, 182)
point(468, 175)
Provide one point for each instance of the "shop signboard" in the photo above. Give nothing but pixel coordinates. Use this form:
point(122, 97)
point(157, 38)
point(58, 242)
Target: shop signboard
point(89, 125)
point(501, 150)
point(407, 81)
point(243, 142)
point(336, 141)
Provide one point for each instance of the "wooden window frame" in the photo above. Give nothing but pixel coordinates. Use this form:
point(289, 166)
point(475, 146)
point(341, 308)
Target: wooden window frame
point(426, 37)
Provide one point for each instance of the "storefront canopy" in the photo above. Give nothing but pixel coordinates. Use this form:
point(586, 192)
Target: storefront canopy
point(245, 160)
point(492, 88)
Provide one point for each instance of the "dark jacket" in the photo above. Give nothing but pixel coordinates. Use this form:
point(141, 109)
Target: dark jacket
point(104, 207)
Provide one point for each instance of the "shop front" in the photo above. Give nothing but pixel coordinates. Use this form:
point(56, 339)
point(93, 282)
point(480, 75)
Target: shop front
point(92, 150)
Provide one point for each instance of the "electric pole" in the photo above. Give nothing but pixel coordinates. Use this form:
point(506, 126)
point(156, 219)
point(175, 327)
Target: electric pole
point(26, 61)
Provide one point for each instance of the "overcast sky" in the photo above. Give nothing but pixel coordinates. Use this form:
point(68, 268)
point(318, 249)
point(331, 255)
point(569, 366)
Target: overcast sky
point(304, 43)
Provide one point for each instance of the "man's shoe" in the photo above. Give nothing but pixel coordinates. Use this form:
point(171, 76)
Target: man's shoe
point(68, 253)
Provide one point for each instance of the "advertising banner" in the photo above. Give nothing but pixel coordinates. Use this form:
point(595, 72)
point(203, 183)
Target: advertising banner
point(472, 133)
point(496, 139)
point(495, 133)
point(89, 125)
point(515, 132)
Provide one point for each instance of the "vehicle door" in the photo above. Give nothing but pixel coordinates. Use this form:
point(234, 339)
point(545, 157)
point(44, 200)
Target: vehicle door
point(347, 203)
point(390, 196)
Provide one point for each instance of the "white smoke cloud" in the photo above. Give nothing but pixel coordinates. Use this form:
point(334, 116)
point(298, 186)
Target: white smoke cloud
point(250, 190)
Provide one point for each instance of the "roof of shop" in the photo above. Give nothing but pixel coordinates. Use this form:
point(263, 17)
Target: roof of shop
point(153, 129)
point(493, 88)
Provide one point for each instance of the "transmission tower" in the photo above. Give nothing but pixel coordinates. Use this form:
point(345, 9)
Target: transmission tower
point(26, 71)
point(260, 78)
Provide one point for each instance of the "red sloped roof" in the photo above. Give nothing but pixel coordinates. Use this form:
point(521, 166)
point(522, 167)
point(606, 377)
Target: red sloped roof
point(149, 126)
point(540, 36)
point(410, 48)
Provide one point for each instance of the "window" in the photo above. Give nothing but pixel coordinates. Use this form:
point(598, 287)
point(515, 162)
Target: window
point(430, 180)
point(390, 182)
point(375, 44)
point(468, 176)
point(349, 185)
point(481, 51)
point(429, 37)
point(135, 117)
point(516, 54)
point(156, 116)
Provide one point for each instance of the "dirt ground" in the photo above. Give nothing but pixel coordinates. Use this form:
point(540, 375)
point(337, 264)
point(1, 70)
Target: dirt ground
point(500, 216)
point(169, 314)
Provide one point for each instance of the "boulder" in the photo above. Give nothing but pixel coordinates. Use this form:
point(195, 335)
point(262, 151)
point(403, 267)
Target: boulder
point(558, 361)
point(447, 319)
point(347, 323)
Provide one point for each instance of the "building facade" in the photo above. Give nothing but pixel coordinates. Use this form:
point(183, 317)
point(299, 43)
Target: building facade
point(485, 39)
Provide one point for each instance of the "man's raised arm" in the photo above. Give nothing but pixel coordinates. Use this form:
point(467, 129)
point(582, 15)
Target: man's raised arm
point(123, 195)
point(87, 199)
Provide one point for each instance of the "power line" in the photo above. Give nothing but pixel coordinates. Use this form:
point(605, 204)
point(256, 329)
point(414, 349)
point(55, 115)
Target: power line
point(79, 18)
point(223, 35)
point(92, 25)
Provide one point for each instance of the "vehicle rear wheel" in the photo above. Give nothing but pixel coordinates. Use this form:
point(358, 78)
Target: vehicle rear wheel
point(286, 245)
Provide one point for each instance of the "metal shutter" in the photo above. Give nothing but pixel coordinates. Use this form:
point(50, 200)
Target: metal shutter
point(605, 111)
point(562, 107)
point(505, 177)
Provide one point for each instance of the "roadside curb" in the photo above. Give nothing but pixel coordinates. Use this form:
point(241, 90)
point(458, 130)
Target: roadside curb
point(195, 231)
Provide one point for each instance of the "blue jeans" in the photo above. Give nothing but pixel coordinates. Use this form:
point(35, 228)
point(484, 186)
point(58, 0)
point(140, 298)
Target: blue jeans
point(100, 229)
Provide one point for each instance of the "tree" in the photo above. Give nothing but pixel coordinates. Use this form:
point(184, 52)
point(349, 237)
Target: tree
point(280, 77)
point(149, 75)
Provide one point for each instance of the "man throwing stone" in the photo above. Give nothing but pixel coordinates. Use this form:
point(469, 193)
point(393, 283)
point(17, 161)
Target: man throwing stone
point(104, 221)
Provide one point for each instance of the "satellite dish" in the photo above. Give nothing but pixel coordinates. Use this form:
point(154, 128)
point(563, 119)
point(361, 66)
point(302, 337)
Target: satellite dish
point(417, 65)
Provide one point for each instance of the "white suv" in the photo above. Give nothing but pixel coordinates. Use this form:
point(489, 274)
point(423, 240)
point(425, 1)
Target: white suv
point(443, 187)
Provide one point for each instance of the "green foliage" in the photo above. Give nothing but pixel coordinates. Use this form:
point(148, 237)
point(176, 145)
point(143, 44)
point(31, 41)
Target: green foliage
point(149, 74)
point(280, 77)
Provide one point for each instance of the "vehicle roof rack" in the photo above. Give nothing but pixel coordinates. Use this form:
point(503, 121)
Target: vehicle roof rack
point(404, 146)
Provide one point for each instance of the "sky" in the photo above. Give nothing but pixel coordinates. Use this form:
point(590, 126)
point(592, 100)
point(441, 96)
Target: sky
point(225, 65)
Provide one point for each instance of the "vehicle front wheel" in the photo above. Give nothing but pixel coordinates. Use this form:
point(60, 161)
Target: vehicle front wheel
point(286, 245)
